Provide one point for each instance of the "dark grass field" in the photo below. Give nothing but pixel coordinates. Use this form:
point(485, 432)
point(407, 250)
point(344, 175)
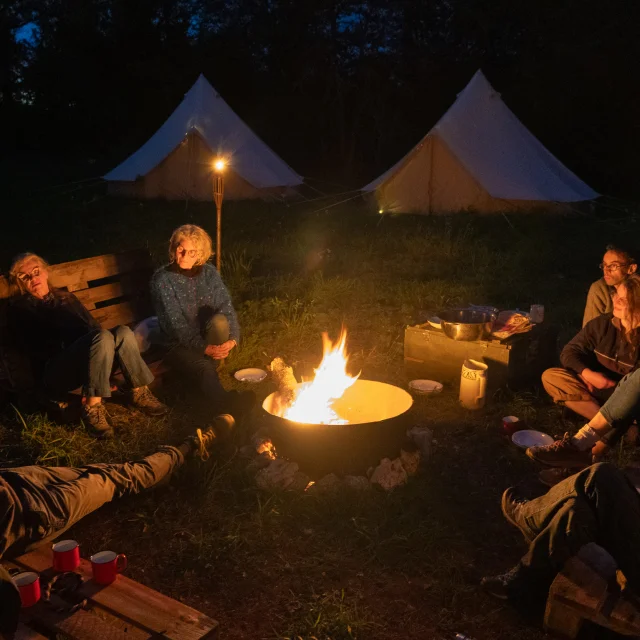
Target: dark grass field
point(399, 566)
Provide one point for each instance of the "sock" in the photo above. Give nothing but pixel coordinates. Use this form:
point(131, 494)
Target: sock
point(585, 438)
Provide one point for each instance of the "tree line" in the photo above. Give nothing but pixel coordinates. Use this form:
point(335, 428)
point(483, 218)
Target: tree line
point(339, 88)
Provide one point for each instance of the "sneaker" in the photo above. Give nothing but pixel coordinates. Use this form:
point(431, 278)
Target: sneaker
point(550, 477)
point(512, 508)
point(561, 453)
point(142, 398)
point(501, 586)
point(95, 420)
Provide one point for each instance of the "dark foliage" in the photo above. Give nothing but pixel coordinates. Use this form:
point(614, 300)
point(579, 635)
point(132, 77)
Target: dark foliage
point(340, 88)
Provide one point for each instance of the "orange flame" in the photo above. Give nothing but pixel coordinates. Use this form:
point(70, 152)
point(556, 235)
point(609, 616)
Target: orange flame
point(314, 399)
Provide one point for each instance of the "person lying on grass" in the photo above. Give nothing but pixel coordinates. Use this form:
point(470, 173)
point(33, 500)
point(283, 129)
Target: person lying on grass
point(605, 350)
point(68, 349)
point(38, 504)
point(198, 323)
point(598, 504)
point(616, 265)
point(602, 432)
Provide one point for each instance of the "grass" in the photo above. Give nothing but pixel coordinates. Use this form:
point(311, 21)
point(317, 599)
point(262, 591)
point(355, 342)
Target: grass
point(398, 566)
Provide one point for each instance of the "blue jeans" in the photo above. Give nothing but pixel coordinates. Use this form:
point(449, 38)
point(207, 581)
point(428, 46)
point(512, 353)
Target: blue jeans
point(90, 360)
point(623, 407)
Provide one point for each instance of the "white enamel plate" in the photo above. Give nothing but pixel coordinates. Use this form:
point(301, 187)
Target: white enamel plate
point(250, 375)
point(530, 438)
point(425, 387)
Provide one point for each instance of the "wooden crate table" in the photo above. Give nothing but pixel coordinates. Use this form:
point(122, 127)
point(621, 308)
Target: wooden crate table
point(121, 610)
point(517, 361)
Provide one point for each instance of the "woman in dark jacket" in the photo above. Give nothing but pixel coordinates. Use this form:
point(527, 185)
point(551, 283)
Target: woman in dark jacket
point(68, 349)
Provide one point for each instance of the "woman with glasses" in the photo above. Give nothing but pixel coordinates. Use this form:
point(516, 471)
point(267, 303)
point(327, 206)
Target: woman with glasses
point(616, 265)
point(606, 349)
point(68, 349)
point(197, 320)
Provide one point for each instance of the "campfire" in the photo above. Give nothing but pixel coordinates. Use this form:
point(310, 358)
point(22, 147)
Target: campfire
point(336, 421)
point(312, 402)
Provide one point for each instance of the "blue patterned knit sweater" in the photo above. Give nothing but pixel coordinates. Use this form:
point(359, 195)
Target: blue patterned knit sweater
point(178, 299)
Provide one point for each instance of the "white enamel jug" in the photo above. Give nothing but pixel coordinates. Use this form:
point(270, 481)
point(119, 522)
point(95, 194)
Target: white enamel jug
point(473, 384)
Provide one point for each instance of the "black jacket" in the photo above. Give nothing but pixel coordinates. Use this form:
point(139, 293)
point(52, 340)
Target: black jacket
point(42, 328)
point(601, 346)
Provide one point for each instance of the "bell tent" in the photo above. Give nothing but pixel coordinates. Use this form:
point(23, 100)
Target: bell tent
point(479, 157)
point(176, 162)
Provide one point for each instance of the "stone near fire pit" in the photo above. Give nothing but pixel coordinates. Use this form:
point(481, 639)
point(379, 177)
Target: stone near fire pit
point(422, 437)
point(357, 483)
point(330, 483)
point(300, 482)
point(279, 474)
point(410, 460)
point(260, 462)
point(389, 474)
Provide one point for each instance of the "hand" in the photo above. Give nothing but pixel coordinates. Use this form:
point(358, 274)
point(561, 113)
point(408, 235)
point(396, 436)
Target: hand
point(220, 351)
point(596, 379)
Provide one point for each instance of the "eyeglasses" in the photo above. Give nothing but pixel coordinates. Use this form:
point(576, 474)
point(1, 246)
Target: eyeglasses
point(192, 253)
point(25, 277)
point(614, 266)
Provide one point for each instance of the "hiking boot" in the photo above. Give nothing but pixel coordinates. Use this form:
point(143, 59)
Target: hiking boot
point(95, 421)
point(561, 453)
point(504, 585)
point(142, 398)
point(201, 442)
point(550, 477)
point(512, 509)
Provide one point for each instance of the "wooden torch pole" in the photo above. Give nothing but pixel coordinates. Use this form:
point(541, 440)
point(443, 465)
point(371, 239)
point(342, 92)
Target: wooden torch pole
point(218, 193)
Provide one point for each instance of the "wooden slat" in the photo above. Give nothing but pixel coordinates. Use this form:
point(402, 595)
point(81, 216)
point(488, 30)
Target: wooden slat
point(69, 274)
point(122, 313)
point(130, 600)
point(137, 284)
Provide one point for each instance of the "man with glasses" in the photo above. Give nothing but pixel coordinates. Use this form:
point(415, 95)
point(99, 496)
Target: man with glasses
point(616, 265)
point(68, 349)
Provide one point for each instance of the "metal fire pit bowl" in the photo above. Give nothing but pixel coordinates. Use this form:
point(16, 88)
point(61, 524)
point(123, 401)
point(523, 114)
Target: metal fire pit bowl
point(378, 420)
point(466, 324)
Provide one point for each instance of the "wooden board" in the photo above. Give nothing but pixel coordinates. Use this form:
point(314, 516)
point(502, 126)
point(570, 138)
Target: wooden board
point(144, 608)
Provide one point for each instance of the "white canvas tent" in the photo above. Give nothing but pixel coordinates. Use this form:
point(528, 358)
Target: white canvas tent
point(478, 156)
point(175, 163)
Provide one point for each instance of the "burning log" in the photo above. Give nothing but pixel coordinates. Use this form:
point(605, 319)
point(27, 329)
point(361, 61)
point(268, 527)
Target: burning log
point(283, 376)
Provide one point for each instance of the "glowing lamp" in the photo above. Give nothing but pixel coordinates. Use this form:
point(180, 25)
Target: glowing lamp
point(219, 165)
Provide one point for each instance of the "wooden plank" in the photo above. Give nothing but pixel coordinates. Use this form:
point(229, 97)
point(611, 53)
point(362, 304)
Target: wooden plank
point(71, 273)
point(81, 625)
point(135, 602)
point(126, 286)
point(112, 316)
point(27, 633)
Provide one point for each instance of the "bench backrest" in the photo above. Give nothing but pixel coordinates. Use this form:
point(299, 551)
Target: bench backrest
point(113, 287)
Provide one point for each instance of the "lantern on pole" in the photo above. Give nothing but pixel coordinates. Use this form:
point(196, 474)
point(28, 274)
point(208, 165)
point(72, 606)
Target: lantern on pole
point(218, 194)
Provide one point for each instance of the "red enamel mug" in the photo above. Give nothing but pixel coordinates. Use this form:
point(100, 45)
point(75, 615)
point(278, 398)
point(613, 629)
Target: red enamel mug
point(66, 555)
point(106, 566)
point(28, 584)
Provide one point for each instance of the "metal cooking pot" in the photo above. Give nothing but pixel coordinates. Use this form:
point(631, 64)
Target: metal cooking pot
point(466, 324)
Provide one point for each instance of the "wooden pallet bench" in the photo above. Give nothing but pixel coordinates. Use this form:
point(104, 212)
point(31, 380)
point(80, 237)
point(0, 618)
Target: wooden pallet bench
point(122, 610)
point(113, 287)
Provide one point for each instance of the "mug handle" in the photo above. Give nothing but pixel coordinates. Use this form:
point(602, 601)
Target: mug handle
point(121, 562)
point(483, 387)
